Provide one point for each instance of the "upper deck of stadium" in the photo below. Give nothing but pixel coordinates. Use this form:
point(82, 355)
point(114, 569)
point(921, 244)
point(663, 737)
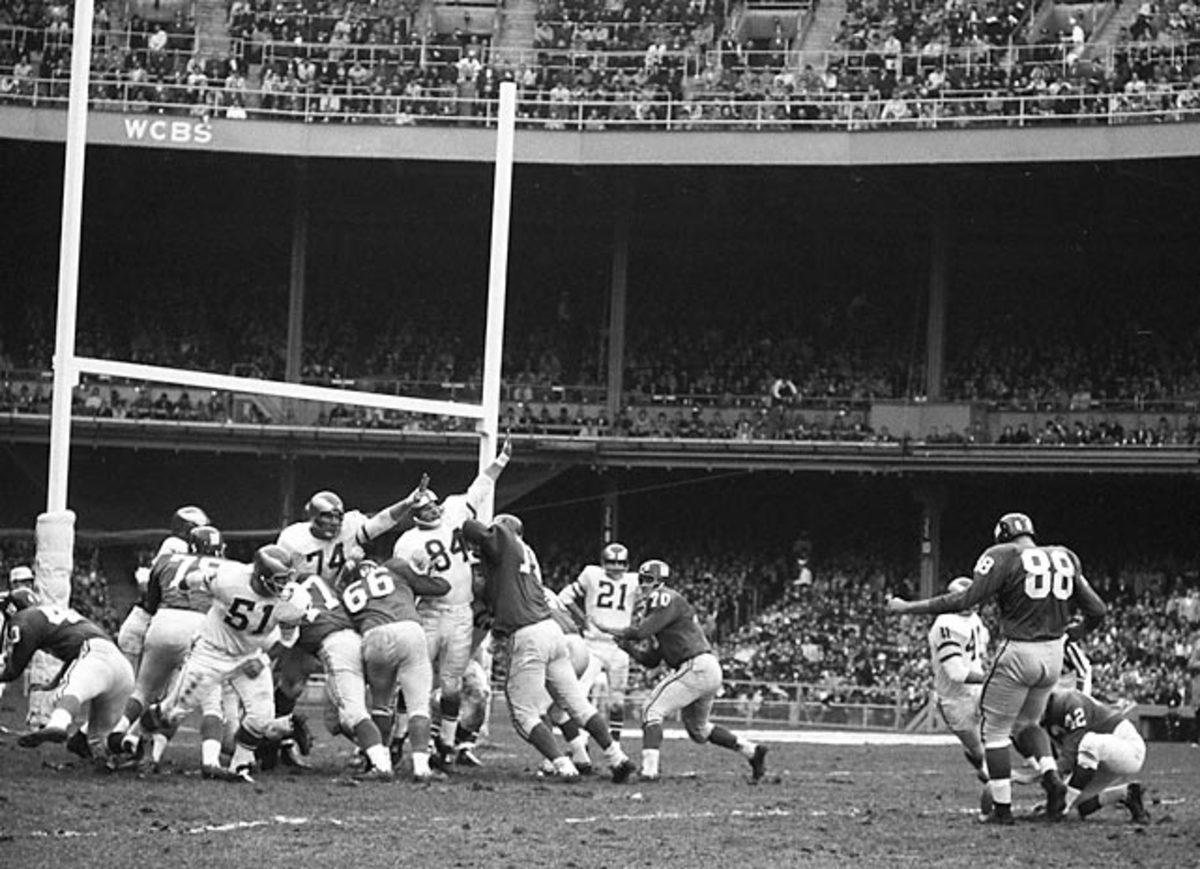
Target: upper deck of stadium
point(646, 83)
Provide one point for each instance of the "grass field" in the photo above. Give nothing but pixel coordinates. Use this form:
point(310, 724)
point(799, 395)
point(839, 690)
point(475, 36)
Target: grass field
point(820, 805)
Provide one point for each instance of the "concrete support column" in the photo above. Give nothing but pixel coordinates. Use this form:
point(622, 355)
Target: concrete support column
point(297, 278)
point(610, 519)
point(932, 499)
point(618, 287)
point(939, 263)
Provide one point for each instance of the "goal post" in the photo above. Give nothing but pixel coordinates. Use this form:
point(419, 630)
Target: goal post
point(68, 367)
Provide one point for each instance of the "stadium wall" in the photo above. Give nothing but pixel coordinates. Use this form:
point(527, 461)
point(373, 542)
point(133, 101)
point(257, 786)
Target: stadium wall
point(693, 148)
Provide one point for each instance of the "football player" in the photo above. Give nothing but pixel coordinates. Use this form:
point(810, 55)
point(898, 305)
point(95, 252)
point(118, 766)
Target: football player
point(132, 634)
point(957, 642)
point(248, 602)
point(93, 671)
point(449, 620)
point(694, 678)
point(1100, 749)
point(606, 593)
point(1036, 588)
point(177, 608)
point(537, 649)
point(20, 576)
point(329, 540)
point(381, 600)
point(327, 634)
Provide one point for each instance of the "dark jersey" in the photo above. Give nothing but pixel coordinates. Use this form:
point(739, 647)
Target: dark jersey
point(1070, 715)
point(325, 615)
point(169, 585)
point(388, 594)
point(512, 591)
point(672, 622)
point(1036, 588)
point(46, 628)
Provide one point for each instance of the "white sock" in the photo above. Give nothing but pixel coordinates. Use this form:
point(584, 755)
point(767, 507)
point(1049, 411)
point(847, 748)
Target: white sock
point(420, 761)
point(1001, 790)
point(242, 756)
point(380, 757)
point(579, 752)
point(614, 755)
point(1072, 797)
point(650, 761)
point(449, 731)
point(747, 748)
point(1045, 765)
point(158, 746)
point(564, 766)
point(61, 719)
point(210, 752)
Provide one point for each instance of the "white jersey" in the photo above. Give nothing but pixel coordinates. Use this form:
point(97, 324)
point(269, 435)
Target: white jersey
point(449, 557)
point(241, 621)
point(606, 599)
point(325, 558)
point(173, 545)
point(956, 636)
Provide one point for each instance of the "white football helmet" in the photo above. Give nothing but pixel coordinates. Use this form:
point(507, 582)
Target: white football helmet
point(614, 558)
point(428, 512)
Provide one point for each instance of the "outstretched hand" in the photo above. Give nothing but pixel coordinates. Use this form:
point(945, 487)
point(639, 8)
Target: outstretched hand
point(897, 605)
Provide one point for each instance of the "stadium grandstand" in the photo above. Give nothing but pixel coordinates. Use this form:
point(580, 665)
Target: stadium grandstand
point(801, 297)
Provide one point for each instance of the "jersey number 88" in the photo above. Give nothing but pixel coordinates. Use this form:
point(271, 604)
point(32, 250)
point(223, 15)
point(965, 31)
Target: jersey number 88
point(1046, 572)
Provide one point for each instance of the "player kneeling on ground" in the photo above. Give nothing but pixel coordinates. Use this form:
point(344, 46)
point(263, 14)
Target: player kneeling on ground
point(665, 616)
point(1099, 749)
point(94, 670)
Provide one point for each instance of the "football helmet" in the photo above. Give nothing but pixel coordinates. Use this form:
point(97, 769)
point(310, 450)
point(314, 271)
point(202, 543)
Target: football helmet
point(511, 522)
point(614, 558)
point(206, 540)
point(20, 576)
point(324, 512)
point(652, 574)
point(959, 583)
point(428, 512)
point(18, 599)
point(185, 519)
point(1011, 526)
point(272, 570)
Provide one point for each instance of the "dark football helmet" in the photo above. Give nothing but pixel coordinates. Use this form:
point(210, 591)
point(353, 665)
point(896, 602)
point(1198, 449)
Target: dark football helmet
point(18, 599)
point(511, 522)
point(185, 519)
point(1011, 526)
point(206, 540)
point(652, 574)
point(324, 511)
point(272, 570)
point(614, 558)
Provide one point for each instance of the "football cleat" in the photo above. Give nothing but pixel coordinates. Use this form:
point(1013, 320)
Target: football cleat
point(622, 771)
point(585, 768)
point(1000, 815)
point(758, 763)
point(647, 776)
point(46, 734)
point(986, 803)
point(425, 778)
point(1056, 795)
point(211, 772)
point(121, 763)
point(78, 745)
point(290, 755)
point(375, 774)
point(242, 774)
point(467, 757)
point(301, 733)
point(1133, 802)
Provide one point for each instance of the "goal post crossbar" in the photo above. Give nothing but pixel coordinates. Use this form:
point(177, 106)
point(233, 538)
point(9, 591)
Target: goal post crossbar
point(277, 388)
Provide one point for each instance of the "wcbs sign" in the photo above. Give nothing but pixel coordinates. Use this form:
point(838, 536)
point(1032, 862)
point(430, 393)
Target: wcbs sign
point(177, 132)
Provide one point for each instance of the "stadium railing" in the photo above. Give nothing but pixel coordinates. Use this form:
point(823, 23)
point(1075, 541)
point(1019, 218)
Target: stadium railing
point(835, 112)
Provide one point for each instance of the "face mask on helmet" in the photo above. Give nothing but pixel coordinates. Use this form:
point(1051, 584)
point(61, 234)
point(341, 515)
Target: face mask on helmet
point(272, 571)
point(615, 558)
point(652, 574)
point(428, 513)
point(18, 599)
point(206, 540)
point(325, 511)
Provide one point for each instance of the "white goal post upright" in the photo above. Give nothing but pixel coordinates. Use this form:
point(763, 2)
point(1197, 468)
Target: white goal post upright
point(493, 342)
point(68, 367)
point(65, 373)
